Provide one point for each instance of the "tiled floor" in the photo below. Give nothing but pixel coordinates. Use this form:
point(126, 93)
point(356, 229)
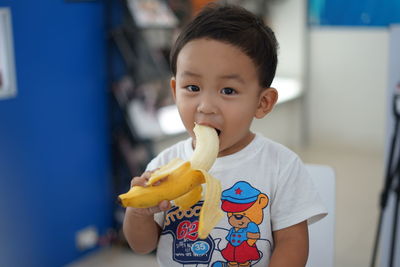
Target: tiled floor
point(358, 184)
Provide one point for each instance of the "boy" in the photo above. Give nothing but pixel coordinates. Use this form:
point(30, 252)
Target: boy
point(223, 64)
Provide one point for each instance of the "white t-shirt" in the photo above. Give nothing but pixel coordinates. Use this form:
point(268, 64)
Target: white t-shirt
point(265, 188)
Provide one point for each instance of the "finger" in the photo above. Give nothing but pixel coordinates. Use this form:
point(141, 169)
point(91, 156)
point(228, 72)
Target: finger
point(143, 212)
point(164, 205)
point(153, 210)
point(146, 175)
point(138, 181)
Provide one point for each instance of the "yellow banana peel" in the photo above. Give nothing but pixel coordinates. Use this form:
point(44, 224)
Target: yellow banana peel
point(181, 181)
point(187, 200)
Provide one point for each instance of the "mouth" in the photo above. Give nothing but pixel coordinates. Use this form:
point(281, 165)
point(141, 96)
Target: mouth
point(209, 125)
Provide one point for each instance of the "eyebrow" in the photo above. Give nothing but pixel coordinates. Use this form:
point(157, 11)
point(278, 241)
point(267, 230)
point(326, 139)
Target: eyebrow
point(190, 74)
point(232, 77)
point(236, 77)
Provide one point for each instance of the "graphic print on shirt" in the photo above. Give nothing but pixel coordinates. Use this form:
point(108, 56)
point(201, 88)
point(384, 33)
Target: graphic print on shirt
point(183, 226)
point(244, 206)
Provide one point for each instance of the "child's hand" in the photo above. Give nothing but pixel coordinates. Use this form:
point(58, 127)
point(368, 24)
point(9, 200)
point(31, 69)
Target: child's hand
point(162, 206)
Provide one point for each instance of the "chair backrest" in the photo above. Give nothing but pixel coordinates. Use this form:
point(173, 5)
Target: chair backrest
point(322, 233)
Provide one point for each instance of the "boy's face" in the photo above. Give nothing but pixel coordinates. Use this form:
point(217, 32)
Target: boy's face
point(216, 84)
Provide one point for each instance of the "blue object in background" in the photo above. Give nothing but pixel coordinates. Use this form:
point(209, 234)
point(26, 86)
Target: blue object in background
point(54, 155)
point(354, 12)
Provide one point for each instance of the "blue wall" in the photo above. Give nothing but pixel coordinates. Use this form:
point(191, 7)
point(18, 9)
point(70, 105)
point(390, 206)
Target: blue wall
point(54, 155)
point(377, 13)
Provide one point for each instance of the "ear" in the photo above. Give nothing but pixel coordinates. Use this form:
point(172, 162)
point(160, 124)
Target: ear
point(172, 84)
point(267, 101)
point(263, 200)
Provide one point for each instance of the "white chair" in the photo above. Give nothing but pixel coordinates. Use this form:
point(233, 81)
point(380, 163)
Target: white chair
point(322, 233)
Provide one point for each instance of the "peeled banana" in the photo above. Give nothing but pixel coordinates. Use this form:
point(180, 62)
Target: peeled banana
point(207, 147)
point(181, 181)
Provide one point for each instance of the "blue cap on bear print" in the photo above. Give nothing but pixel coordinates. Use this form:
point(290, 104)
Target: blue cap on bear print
point(241, 193)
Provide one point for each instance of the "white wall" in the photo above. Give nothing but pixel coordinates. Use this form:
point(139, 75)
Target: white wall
point(345, 86)
point(288, 20)
point(345, 82)
point(348, 81)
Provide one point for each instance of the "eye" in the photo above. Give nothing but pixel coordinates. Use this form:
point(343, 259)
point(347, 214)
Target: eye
point(228, 91)
point(193, 88)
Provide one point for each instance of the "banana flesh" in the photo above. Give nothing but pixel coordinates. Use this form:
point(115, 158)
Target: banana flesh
point(182, 182)
point(210, 212)
point(165, 171)
point(207, 147)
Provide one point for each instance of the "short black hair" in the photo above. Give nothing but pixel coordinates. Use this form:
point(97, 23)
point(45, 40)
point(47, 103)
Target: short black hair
point(236, 26)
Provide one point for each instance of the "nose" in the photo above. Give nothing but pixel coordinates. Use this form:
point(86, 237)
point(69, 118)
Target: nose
point(238, 217)
point(207, 104)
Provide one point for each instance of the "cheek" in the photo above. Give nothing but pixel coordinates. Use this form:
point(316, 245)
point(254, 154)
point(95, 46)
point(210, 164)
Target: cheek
point(232, 221)
point(243, 109)
point(238, 119)
point(186, 112)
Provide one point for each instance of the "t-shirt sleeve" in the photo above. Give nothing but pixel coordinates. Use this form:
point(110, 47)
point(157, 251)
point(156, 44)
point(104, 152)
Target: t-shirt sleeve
point(154, 163)
point(296, 198)
point(159, 218)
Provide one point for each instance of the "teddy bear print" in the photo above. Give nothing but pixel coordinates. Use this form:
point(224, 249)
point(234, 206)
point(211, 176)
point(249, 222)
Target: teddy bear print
point(244, 206)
